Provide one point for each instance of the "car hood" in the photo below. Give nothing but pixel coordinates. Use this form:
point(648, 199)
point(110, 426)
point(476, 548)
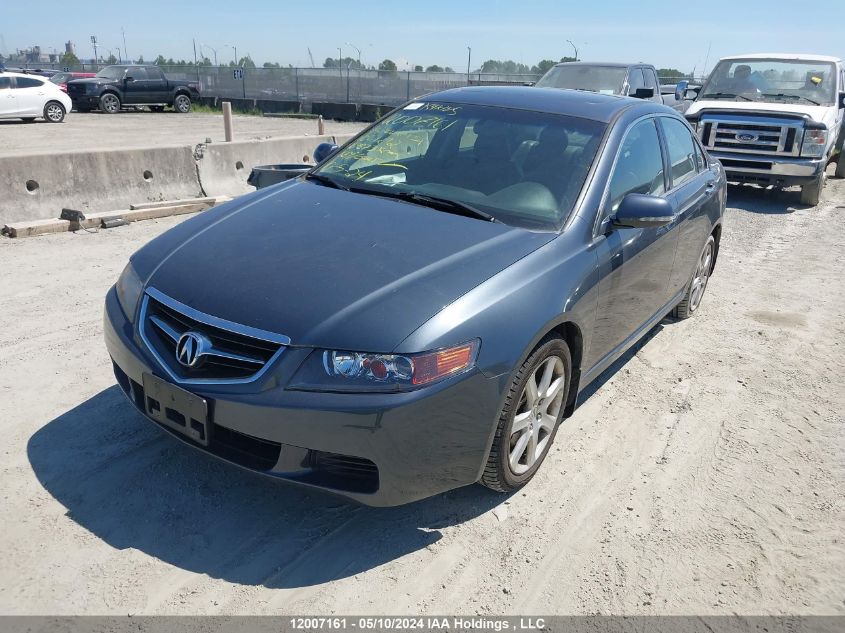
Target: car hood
point(330, 268)
point(92, 80)
point(821, 114)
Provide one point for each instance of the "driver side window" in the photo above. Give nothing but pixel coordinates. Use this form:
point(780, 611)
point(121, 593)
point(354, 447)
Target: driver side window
point(639, 166)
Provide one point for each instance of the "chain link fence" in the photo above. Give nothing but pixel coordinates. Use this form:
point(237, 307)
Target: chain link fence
point(332, 85)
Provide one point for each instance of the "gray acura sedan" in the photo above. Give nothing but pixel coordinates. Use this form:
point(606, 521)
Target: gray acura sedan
point(420, 311)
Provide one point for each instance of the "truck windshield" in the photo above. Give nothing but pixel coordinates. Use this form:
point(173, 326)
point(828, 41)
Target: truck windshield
point(521, 167)
point(111, 72)
point(772, 80)
point(604, 79)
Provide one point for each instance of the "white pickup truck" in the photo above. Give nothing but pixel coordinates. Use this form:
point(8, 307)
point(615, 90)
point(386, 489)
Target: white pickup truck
point(773, 119)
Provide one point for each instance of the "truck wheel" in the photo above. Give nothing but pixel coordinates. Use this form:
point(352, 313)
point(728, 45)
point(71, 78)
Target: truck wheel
point(109, 103)
point(530, 416)
point(182, 103)
point(54, 112)
point(811, 194)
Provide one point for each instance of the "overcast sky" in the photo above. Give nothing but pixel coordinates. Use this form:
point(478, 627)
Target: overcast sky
point(668, 34)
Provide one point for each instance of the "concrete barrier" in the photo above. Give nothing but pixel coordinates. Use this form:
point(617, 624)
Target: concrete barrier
point(224, 167)
point(38, 186)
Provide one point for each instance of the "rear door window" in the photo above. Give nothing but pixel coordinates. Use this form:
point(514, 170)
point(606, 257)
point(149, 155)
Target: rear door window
point(29, 82)
point(5, 83)
point(681, 149)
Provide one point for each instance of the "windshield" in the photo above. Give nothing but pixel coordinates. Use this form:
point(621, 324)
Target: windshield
point(523, 168)
point(112, 72)
point(772, 80)
point(604, 79)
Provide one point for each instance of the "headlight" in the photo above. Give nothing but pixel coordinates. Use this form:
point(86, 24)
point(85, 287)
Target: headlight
point(334, 370)
point(815, 141)
point(129, 287)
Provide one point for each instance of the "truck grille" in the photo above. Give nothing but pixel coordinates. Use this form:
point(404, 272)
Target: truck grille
point(751, 134)
point(227, 352)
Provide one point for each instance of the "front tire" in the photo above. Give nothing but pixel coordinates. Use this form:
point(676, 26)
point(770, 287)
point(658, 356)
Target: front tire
point(182, 104)
point(811, 194)
point(698, 284)
point(110, 103)
point(530, 417)
point(54, 112)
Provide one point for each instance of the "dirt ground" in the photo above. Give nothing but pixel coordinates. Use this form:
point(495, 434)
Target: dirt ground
point(703, 473)
point(95, 130)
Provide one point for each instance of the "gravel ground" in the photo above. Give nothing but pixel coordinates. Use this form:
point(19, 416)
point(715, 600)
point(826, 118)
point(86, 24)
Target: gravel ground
point(702, 475)
point(94, 130)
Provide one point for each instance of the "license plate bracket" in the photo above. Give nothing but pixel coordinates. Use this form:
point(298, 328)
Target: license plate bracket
point(176, 408)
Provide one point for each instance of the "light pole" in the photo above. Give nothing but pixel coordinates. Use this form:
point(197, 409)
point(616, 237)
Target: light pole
point(576, 49)
point(235, 49)
point(94, 43)
point(124, 44)
point(359, 53)
point(469, 58)
point(213, 50)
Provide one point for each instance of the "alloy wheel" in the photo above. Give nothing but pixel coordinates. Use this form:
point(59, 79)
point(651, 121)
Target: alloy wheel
point(183, 104)
point(536, 415)
point(702, 274)
point(55, 112)
point(110, 104)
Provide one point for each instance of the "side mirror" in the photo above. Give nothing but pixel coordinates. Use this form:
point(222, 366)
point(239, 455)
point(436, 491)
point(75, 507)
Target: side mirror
point(643, 93)
point(323, 151)
point(638, 211)
point(681, 89)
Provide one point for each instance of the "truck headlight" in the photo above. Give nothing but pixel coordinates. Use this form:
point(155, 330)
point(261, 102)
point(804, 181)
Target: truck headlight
point(815, 142)
point(334, 370)
point(129, 287)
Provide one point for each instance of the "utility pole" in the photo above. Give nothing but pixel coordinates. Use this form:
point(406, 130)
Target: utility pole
point(469, 58)
point(124, 44)
point(94, 43)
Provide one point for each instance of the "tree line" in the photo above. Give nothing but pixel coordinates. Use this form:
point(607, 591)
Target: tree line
point(493, 66)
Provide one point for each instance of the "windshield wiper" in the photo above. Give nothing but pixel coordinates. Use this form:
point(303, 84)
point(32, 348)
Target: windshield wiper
point(329, 182)
point(725, 95)
point(434, 202)
point(447, 204)
point(785, 96)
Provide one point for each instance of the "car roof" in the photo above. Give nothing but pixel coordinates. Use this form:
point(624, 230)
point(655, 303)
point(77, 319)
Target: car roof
point(791, 56)
point(587, 105)
point(607, 64)
point(28, 75)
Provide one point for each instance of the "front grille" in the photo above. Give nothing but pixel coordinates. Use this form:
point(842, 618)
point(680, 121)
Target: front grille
point(230, 352)
point(749, 134)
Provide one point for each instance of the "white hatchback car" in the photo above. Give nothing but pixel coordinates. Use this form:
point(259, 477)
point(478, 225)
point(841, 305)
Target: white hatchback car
point(28, 97)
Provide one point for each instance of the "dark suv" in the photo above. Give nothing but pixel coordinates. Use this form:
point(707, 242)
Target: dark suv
point(117, 86)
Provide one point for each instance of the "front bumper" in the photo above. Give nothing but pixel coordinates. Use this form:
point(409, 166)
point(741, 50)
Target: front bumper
point(85, 101)
point(376, 449)
point(771, 170)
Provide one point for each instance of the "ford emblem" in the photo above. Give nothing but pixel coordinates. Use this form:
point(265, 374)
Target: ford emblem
point(745, 137)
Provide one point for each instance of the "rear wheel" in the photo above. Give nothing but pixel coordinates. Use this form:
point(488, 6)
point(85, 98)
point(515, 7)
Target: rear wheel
point(109, 103)
point(182, 103)
point(54, 112)
point(530, 416)
point(698, 284)
point(811, 194)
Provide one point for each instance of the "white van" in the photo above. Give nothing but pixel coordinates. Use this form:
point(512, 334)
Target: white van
point(773, 119)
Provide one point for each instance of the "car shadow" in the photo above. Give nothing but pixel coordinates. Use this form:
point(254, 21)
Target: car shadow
point(768, 200)
point(134, 486)
point(590, 390)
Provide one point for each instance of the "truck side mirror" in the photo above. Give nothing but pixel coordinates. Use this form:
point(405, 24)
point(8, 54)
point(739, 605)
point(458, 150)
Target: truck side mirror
point(643, 93)
point(681, 89)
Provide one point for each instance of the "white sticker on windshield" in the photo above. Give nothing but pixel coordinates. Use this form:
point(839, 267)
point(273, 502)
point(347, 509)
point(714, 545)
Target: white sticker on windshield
point(413, 106)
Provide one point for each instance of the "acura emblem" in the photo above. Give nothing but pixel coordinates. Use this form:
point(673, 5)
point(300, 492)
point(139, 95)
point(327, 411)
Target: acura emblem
point(191, 349)
point(745, 137)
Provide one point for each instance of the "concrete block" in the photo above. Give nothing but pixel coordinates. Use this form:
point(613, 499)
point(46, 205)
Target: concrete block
point(171, 203)
point(40, 185)
point(225, 167)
